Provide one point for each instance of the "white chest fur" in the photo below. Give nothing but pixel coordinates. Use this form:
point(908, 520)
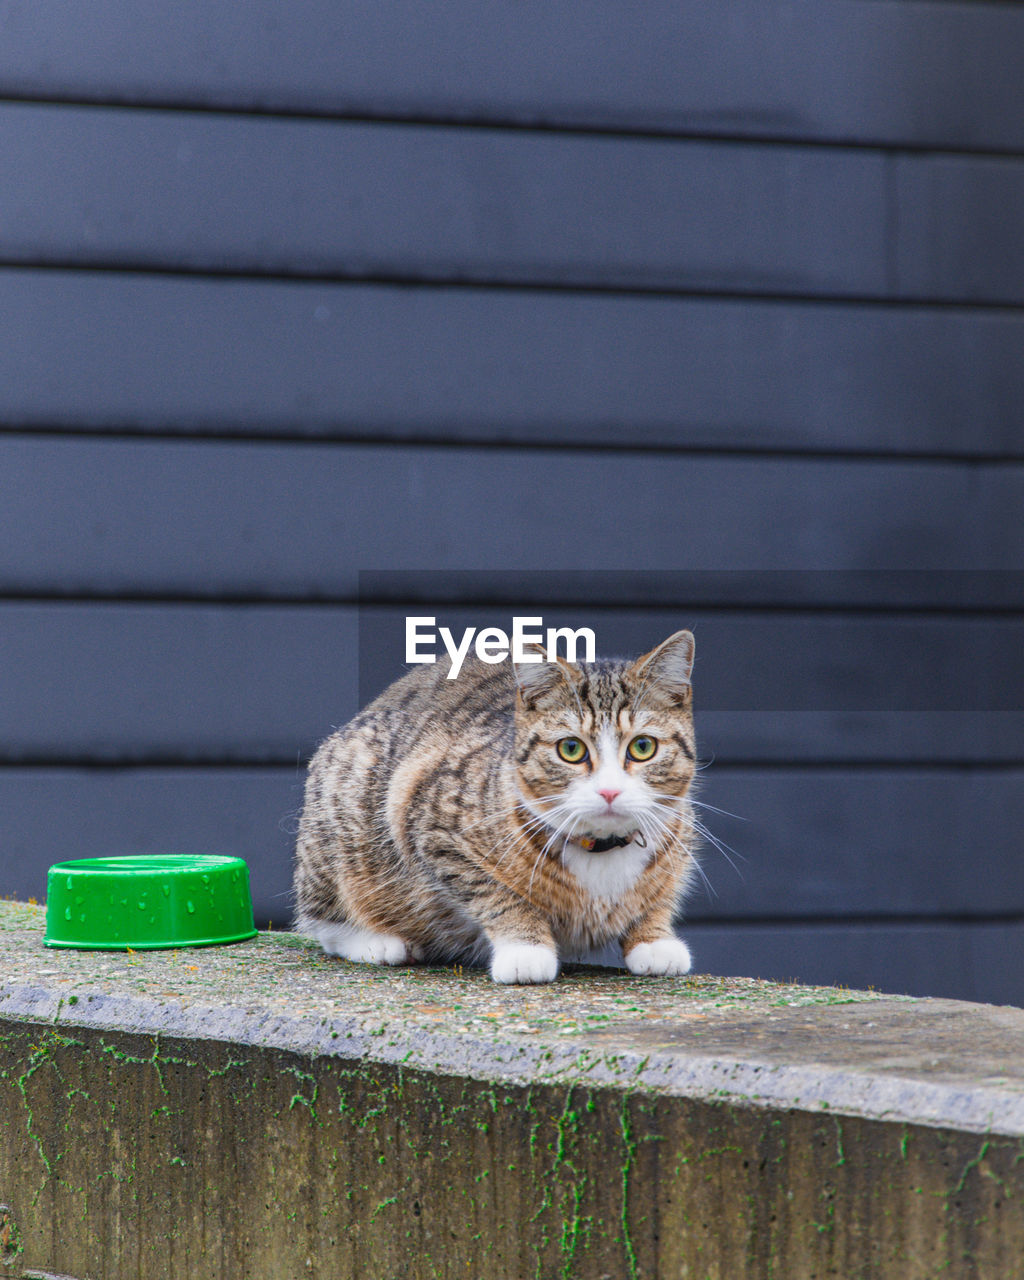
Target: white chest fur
point(609, 875)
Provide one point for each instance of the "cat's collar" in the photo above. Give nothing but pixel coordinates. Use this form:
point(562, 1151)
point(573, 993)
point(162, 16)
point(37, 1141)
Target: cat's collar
point(594, 845)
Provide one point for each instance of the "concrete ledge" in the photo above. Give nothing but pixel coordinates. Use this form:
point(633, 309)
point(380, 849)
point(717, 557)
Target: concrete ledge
point(262, 1111)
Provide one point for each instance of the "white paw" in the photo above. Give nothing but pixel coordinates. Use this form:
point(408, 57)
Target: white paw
point(362, 945)
point(663, 957)
point(523, 962)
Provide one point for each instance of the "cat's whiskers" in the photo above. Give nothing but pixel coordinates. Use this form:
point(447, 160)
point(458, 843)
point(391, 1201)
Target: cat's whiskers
point(521, 831)
point(511, 840)
point(712, 891)
point(526, 830)
point(566, 810)
point(674, 806)
point(659, 824)
point(514, 839)
point(724, 849)
point(676, 840)
point(650, 835)
point(701, 804)
point(700, 829)
point(554, 836)
point(502, 813)
point(561, 829)
point(672, 832)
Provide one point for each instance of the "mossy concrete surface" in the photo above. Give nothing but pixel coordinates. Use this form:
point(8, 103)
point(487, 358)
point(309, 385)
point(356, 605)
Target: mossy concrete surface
point(262, 1111)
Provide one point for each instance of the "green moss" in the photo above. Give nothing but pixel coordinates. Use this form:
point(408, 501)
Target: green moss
point(629, 1154)
point(442, 1173)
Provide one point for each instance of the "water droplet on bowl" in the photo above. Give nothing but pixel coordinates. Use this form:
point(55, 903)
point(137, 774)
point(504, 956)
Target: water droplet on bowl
point(67, 913)
point(190, 907)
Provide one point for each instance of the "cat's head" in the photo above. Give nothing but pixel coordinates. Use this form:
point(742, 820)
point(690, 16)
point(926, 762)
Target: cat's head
point(605, 750)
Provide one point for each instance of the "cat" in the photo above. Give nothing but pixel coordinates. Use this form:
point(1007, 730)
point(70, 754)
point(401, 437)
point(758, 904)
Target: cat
point(516, 813)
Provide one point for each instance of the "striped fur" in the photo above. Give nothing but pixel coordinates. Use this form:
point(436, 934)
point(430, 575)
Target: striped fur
point(442, 824)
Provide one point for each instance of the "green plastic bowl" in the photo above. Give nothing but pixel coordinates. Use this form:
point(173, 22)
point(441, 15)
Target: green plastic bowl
point(148, 902)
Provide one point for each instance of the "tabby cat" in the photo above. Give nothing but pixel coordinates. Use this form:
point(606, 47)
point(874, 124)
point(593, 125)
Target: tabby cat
point(516, 813)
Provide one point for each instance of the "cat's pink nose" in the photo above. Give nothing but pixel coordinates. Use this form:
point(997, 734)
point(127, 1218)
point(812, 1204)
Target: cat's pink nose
point(610, 796)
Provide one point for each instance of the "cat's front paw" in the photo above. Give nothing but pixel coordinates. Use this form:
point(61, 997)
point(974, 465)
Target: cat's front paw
point(365, 946)
point(523, 962)
point(662, 958)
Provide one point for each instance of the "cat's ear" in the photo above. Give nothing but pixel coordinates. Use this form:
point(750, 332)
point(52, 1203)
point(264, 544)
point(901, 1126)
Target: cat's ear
point(669, 666)
point(546, 680)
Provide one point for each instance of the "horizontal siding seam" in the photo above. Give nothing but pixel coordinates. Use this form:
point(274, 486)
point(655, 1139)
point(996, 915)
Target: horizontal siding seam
point(501, 124)
point(143, 762)
point(129, 268)
point(635, 447)
point(226, 599)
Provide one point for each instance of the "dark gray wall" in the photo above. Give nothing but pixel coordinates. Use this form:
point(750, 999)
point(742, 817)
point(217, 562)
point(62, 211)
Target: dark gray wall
point(314, 315)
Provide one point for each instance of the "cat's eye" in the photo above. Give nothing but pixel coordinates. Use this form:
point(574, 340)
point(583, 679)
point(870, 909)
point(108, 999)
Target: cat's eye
point(642, 747)
point(571, 750)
